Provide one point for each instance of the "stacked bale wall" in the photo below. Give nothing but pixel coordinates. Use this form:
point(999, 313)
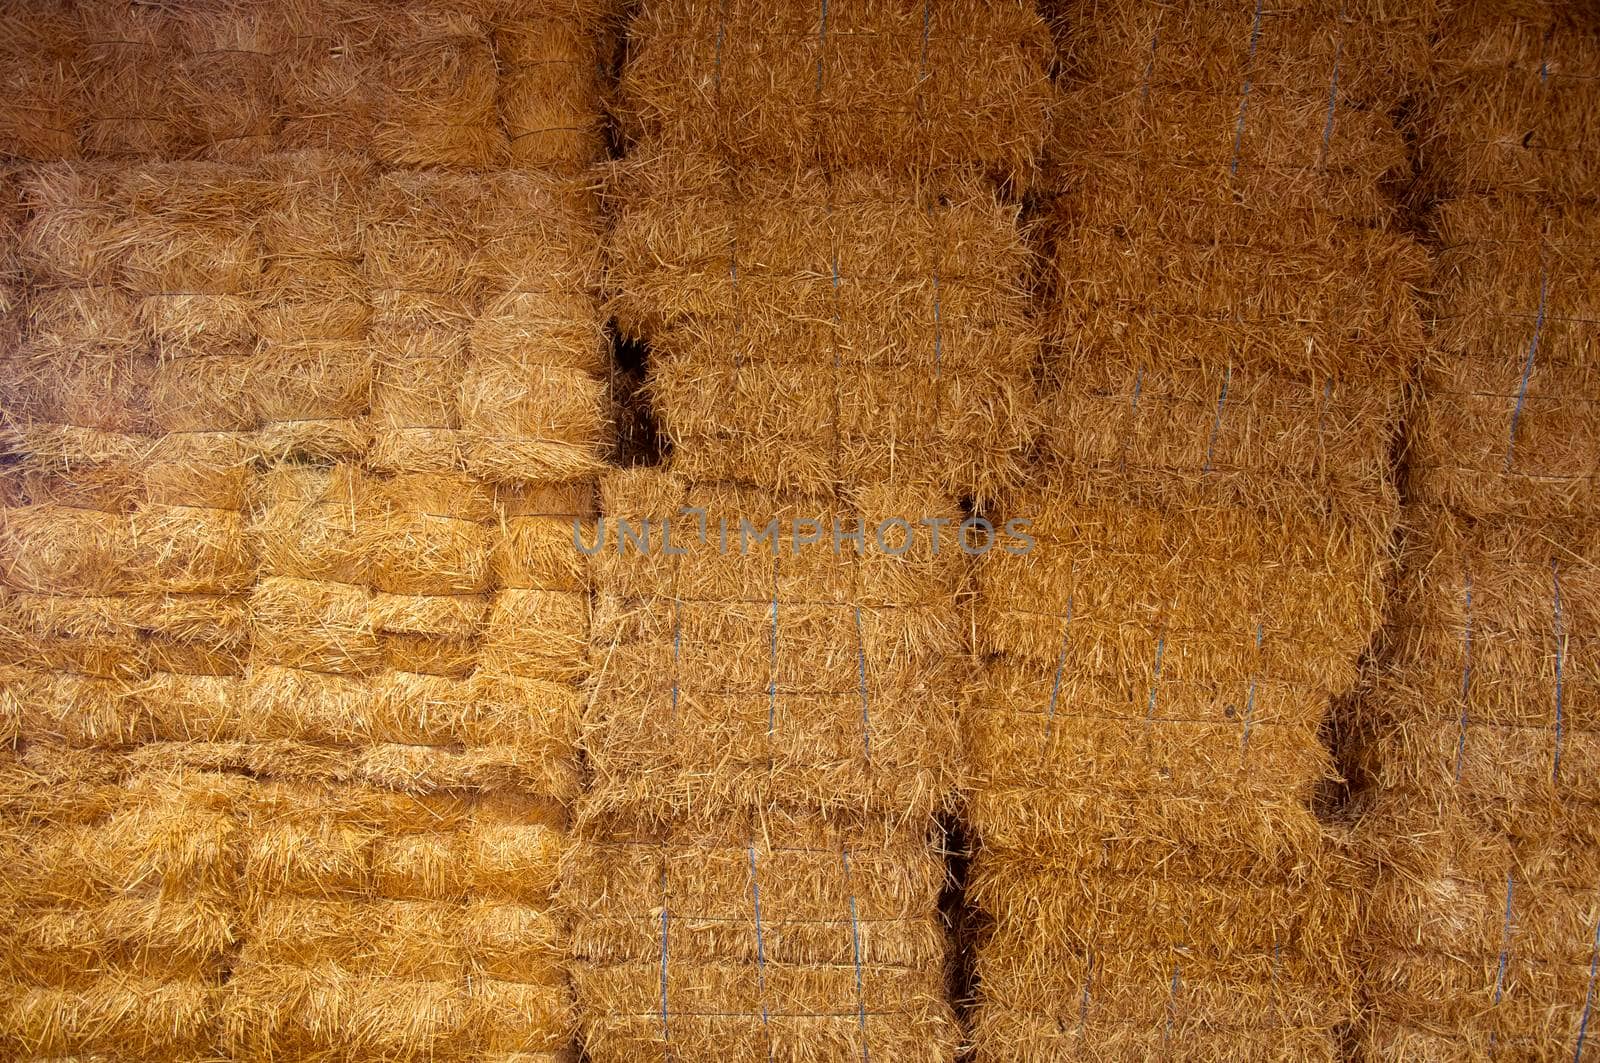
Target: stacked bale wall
point(1230, 326)
point(818, 241)
point(304, 390)
point(1481, 933)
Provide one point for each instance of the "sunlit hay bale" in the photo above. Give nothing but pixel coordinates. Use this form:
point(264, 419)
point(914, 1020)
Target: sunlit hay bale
point(194, 257)
point(1505, 421)
point(223, 80)
point(38, 44)
point(1487, 695)
point(68, 637)
point(385, 926)
point(773, 674)
point(1185, 112)
point(1265, 373)
point(126, 70)
point(755, 937)
point(534, 650)
point(533, 400)
point(1475, 943)
point(436, 104)
point(314, 311)
point(808, 332)
point(1080, 961)
point(120, 894)
point(1200, 579)
point(418, 249)
point(900, 84)
point(328, 81)
point(553, 58)
point(76, 387)
point(425, 542)
point(1511, 109)
point(1181, 657)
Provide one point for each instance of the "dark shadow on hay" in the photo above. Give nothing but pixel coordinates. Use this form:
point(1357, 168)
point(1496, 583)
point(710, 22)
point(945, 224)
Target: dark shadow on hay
point(960, 918)
point(639, 439)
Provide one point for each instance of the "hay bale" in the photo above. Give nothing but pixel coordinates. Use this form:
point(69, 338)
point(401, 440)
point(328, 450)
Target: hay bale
point(852, 330)
point(486, 326)
point(777, 936)
point(1267, 371)
point(895, 85)
point(1477, 744)
point(1505, 421)
point(534, 397)
point(78, 384)
point(384, 926)
point(315, 312)
point(1478, 942)
point(375, 597)
point(436, 101)
point(121, 904)
point(554, 60)
point(1486, 693)
point(784, 676)
point(1106, 959)
point(39, 118)
point(1187, 110)
point(1511, 101)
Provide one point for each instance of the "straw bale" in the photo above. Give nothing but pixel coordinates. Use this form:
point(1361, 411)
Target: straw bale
point(487, 326)
point(381, 926)
point(553, 59)
point(1476, 942)
point(1377, 48)
point(1505, 422)
point(787, 676)
point(1488, 691)
point(1232, 594)
point(1204, 117)
point(124, 606)
point(376, 595)
point(787, 937)
point(895, 84)
point(328, 82)
point(223, 78)
point(418, 248)
point(811, 331)
point(314, 310)
point(541, 585)
point(39, 117)
point(125, 83)
point(534, 395)
point(1266, 372)
point(1512, 101)
point(436, 103)
point(120, 889)
point(1093, 956)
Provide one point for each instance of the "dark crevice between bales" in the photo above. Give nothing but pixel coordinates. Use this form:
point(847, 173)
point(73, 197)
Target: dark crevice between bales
point(639, 439)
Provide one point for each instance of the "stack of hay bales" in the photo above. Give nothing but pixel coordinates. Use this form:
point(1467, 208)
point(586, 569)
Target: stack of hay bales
point(1483, 930)
point(483, 85)
point(813, 239)
point(1231, 324)
point(304, 391)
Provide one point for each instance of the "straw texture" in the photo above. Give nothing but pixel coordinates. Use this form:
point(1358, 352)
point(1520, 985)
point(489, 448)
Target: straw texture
point(774, 937)
point(813, 332)
point(481, 85)
point(896, 85)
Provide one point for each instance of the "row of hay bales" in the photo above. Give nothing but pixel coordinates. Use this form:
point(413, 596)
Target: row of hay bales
point(304, 388)
point(817, 234)
point(1482, 933)
point(1230, 321)
point(481, 85)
